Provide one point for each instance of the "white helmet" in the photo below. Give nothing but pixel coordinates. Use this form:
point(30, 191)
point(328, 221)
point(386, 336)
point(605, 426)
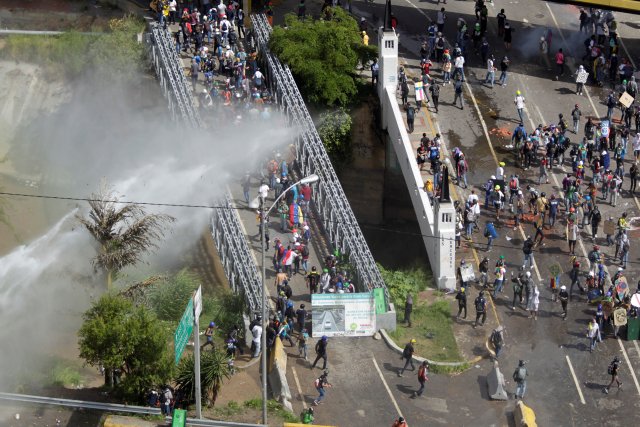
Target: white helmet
point(528, 274)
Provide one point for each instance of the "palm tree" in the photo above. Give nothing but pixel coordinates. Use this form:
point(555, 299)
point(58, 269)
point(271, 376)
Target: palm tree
point(214, 369)
point(124, 231)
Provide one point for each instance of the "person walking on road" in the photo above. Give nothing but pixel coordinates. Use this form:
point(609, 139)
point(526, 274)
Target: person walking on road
point(563, 295)
point(491, 71)
point(500, 273)
point(497, 339)
point(490, 233)
point(534, 302)
point(520, 377)
point(435, 93)
point(613, 369)
point(504, 67)
point(520, 282)
point(543, 48)
point(423, 370)
point(575, 115)
point(481, 309)
point(560, 63)
point(458, 92)
point(411, 114)
point(527, 250)
point(407, 355)
point(321, 383)
point(461, 296)
point(593, 331)
point(321, 352)
point(519, 101)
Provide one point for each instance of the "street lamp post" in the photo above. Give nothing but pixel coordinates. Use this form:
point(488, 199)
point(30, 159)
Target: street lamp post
point(263, 341)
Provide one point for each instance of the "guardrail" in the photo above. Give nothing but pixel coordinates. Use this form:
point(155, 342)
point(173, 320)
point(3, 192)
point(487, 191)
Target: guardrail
point(232, 245)
point(112, 407)
point(330, 201)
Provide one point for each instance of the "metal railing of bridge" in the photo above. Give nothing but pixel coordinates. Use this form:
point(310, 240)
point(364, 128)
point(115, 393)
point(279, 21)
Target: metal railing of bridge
point(330, 201)
point(233, 248)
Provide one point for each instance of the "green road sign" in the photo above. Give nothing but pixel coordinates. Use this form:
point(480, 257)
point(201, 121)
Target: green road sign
point(179, 418)
point(183, 332)
point(378, 295)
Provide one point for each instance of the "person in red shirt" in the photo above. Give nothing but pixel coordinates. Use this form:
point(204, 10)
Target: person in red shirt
point(400, 422)
point(560, 63)
point(423, 370)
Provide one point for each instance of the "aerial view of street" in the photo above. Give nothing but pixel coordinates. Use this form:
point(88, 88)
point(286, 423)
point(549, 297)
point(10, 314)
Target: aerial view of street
point(319, 212)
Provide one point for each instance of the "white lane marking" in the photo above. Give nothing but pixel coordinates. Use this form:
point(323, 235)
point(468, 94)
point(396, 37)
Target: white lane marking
point(626, 357)
point(295, 377)
point(629, 57)
point(386, 386)
point(635, 344)
point(422, 12)
point(557, 26)
point(575, 380)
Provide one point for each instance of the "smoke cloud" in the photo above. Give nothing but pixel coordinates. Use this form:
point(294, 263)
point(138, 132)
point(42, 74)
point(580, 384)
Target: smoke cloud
point(121, 134)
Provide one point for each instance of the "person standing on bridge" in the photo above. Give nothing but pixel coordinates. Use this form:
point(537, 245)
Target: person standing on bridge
point(407, 355)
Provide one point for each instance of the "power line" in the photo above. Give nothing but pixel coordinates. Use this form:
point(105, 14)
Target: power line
point(195, 206)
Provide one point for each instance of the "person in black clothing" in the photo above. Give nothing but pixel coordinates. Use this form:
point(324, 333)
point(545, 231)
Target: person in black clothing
point(407, 354)
point(481, 309)
point(633, 177)
point(613, 369)
point(596, 217)
point(404, 91)
point(564, 300)
point(321, 352)
point(411, 114)
point(301, 317)
point(461, 296)
point(435, 93)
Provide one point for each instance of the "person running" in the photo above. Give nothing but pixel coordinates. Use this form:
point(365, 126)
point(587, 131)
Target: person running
point(481, 309)
point(321, 352)
point(407, 355)
point(321, 383)
point(613, 369)
point(209, 334)
point(423, 370)
point(520, 377)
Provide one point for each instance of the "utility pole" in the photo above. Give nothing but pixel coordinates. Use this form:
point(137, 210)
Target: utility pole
point(197, 309)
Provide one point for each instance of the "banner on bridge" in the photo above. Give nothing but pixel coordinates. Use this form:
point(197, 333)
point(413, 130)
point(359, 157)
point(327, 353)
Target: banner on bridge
point(343, 314)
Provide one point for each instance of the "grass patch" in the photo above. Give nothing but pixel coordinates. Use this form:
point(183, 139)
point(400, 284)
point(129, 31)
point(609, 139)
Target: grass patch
point(432, 329)
point(273, 408)
point(232, 409)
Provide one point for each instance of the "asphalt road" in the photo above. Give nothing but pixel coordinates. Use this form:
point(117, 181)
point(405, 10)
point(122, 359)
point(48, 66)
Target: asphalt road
point(550, 345)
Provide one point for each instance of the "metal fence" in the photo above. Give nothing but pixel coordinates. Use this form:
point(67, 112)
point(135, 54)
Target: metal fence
point(330, 201)
point(233, 248)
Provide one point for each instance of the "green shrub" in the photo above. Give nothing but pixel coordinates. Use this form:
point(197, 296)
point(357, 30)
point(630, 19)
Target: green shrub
point(401, 282)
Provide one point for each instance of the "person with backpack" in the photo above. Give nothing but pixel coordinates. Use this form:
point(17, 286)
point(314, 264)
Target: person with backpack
point(497, 339)
point(514, 186)
point(423, 370)
point(458, 91)
point(520, 377)
point(613, 369)
point(320, 384)
point(307, 416)
point(435, 93)
point(520, 282)
point(407, 355)
point(480, 305)
point(527, 250)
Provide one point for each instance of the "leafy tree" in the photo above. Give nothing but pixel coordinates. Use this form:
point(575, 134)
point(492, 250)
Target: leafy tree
point(169, 297)
point(400, 282)
point(334, 129)
point(214, 369)
point(120, 336)
point(323, 55)
point(124, 232)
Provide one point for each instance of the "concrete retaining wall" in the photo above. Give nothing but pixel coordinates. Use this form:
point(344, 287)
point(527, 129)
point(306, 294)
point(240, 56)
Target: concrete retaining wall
point(277, 375)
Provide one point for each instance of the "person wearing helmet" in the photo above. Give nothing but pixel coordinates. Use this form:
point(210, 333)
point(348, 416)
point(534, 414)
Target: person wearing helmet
point(407, 356)
point(500, 272)
point(593, 331)
point(612, 370)
point(519, 282)
point(209, 334)
point(574, 275)
point(484, 270)
point(461, 296)
point(563, 295)
point(321, 383)
point(490, 233)
point(519, 102)
point(527, 250)
point(498, 200)
point(480, 305)
point(321, 352)
point(520, 377)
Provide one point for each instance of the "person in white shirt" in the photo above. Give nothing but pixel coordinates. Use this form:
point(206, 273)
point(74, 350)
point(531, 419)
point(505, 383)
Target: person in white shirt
point(458, 65)
point(473, 200)
point(440, 18)
point(519, 101)
point(636, 146)
point(225, 26)
point(256, 333)
point(500, 170)
point(491, 71)
point(173, 4)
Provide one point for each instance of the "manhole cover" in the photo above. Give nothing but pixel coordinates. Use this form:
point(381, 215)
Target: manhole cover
point(539, 15)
